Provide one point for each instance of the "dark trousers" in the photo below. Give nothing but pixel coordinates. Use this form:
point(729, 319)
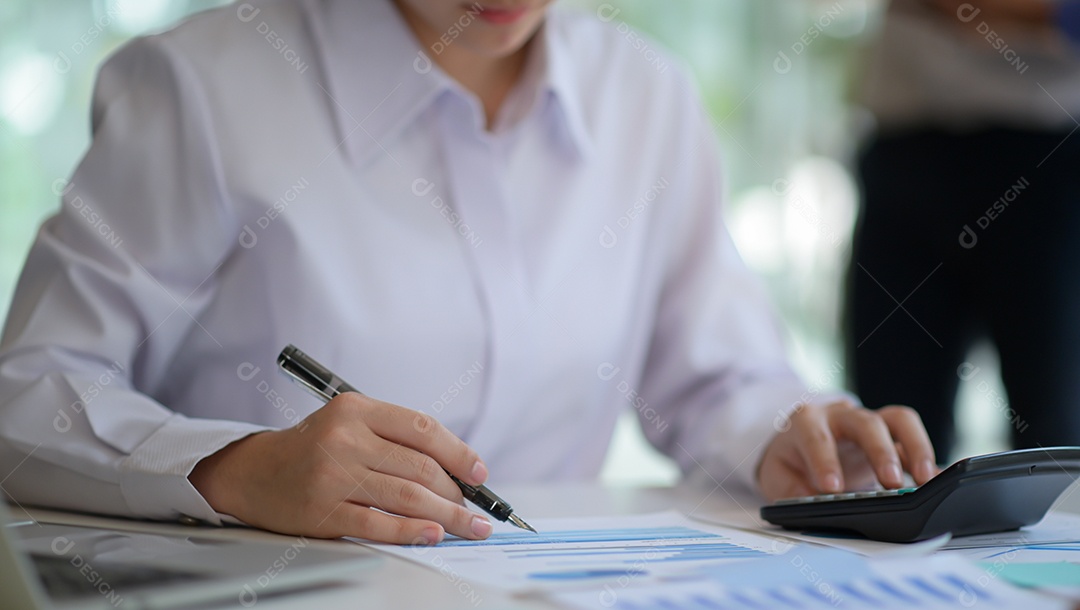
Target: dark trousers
point(963, 237)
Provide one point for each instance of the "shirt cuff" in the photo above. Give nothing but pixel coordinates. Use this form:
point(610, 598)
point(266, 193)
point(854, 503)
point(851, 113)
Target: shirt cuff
point(154, 478)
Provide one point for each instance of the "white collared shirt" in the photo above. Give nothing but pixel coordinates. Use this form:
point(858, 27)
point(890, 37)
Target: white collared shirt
point(298, 172)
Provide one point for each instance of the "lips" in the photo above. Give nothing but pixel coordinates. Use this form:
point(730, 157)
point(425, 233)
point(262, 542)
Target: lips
point(499, 16)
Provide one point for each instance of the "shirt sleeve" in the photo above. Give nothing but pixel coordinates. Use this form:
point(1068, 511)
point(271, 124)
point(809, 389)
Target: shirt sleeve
point(717, 377)
point(113, 283)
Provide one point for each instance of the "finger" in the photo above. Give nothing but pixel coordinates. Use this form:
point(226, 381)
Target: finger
point(349, 519)
point(780, 479)
point(425, 434)
point(869, 431)
point(816, 445)
point(410, 499)
point(917, 453)
point(798, 489)
point(400, 461)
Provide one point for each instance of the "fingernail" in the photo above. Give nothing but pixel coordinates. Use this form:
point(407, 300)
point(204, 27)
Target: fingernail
point(479, 473)
point(432, 535)
point(893, 473)
point(481, 527)
point(831, 482)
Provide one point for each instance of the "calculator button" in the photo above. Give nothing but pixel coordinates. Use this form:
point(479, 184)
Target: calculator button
point(851, 495)
point(799, 500)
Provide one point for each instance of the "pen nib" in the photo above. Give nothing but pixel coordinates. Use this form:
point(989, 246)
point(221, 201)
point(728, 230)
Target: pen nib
point(518, 521)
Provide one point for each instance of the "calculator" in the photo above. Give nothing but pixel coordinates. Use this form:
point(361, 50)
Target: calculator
point(978, 495)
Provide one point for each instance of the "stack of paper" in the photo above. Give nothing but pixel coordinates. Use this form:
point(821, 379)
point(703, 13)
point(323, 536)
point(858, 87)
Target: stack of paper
point(667, 561)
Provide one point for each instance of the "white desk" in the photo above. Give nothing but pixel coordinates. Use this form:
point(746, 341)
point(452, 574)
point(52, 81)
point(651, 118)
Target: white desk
point(397, 584)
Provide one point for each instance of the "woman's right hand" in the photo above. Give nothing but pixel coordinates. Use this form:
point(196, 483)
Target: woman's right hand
point(326, 476)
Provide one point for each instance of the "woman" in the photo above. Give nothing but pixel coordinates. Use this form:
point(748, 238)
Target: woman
point(499, 215)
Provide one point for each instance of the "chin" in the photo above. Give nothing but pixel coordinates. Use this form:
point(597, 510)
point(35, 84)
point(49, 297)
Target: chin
point(500, 44)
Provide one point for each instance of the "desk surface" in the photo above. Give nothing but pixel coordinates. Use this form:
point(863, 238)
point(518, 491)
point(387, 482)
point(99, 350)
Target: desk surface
point(398, 584)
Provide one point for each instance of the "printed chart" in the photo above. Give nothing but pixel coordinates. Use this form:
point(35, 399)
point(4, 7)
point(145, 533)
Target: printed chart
point(591, 550)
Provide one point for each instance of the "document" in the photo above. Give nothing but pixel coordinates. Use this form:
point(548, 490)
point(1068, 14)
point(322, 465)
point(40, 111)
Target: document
point(812, 577)
point(1034, 558)
point(666, 560)
point(589, 552)
point(1056, 527)
point(1060, 577)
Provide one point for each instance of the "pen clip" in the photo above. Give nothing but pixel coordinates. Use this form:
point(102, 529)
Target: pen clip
point(310, 374)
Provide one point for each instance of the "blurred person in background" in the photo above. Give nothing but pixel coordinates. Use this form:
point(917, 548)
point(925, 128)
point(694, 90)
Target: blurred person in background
point(970, 220)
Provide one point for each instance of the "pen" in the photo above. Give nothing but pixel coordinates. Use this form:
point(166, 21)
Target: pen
point(325, 384)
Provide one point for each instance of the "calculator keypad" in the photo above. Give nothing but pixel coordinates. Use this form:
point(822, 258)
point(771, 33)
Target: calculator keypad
point(851, 495)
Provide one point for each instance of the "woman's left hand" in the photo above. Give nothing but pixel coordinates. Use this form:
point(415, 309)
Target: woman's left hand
point(843, 446)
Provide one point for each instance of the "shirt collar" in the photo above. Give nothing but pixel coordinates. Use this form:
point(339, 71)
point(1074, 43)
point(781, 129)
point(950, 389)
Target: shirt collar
point(375, 99)
point(560, 82)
